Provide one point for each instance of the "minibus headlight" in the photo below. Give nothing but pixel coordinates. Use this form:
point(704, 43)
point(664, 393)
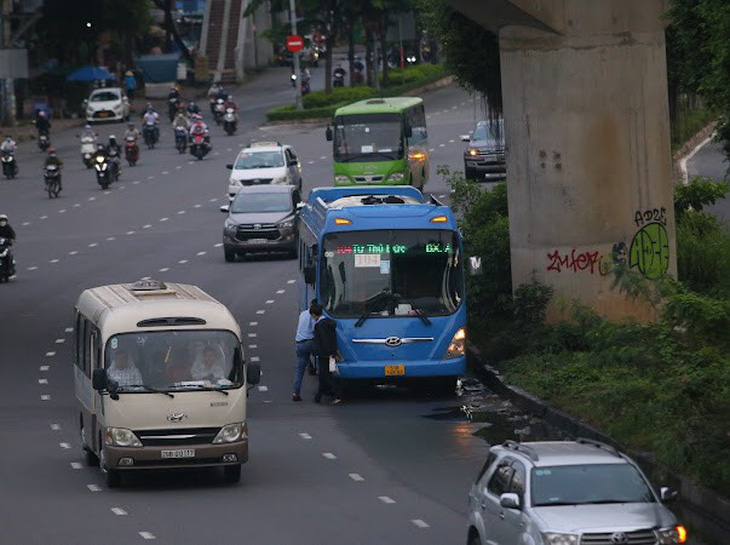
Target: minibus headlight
point(121, 437)
point(342, 179)
point(231, 433)
point(456, 346)
point(396, 177)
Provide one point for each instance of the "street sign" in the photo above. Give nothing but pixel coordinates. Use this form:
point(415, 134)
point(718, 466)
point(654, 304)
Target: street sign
point(295, 43)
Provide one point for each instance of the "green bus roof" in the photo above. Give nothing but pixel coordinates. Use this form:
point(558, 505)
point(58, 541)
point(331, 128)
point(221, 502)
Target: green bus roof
point(379, 105)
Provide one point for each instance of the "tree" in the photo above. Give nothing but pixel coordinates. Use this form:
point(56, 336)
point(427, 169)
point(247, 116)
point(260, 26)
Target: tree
point(167, 6)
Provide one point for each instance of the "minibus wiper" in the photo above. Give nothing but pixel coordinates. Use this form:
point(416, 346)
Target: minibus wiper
point(155, 390)
point(422, 316)
point(206, 388)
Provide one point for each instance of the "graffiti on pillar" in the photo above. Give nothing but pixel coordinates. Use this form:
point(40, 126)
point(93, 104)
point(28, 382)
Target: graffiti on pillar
point(574, 261)
point(650, 215)
point(649, 251)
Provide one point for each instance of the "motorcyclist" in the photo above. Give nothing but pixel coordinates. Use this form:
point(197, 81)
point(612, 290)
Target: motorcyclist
point(193, 108)
point(215, 91)
point(131, 132)
point(200, 127)
point(53, 159)
point(151, 118)
point(8, 145)
point(114, 151)
point(88, 132)
point(174, 94)
point(6, 231)
point(42, 123)
point(229, 103)
point(181, 120)
point(339, 73)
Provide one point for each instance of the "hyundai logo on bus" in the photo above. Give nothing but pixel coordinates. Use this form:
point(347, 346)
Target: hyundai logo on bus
point(475, 266)
point(177, 417)
point(393, 341)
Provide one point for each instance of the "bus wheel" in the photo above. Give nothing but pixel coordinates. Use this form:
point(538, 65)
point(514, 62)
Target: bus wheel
point(90, 459)
point(112, 478)
point(232, 473)
point(444, 386)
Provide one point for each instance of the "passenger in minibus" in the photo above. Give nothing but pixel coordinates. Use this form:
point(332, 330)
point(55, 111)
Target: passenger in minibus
point(210, 365)
point(123, 371)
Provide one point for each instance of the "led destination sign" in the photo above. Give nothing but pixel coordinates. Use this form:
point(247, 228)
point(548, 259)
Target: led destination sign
point(370, 249)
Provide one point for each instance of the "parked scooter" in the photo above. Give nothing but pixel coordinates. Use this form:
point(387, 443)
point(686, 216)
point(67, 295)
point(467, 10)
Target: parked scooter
point(52, 179)
point(7, 261)
point(131, 150)
point(10, 166)
point(88, 148)
point(230, 122)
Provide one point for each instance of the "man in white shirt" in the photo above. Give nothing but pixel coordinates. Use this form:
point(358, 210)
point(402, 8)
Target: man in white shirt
point(123, 371)
point(210, 366)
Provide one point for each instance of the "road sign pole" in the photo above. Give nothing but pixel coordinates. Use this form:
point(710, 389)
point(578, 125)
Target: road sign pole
point(295, 56)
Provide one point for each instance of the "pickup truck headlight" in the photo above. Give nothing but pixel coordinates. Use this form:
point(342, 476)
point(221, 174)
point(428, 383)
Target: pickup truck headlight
point(287, 225)
point(121, 437)
point(230, 225)
point(396, 177)
point(670, 536)
point(456, 346)
point(231, 433)
point(560, 539)
point(342, 179)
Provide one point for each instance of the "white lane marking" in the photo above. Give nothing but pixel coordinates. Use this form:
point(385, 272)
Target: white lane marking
point(305, 436)
point(118, 511)
point(197, 206)
point(201, 253)
point(108, 192)
point(73, 252)
point(148, 226)
point(386, 499)
point(183, 261)
point(213, 199)
point(145, 278)
point(329, 455)
point(290, 281)
point(135, 182)
point(279, 292)
point(62, 211)
point(218, 245)
point(454, 107)
point(165, 173)
point(42, 381)
point(270, 301)
point(31, 268)
point(121, 187)
point(55, 427)
point(60, 341)
point(178, 167)
point(93, 244)
point(92, 198)
point(164, 269)
point(267, 401)
point(451, 141)
point(263, 388)
point(191, 162)
point(54, 260)
point(428, 117)
point(229, 149)
point(356, 477)
point(93, 488)
point(45, 397)
point(310, 162)
point(445, 111)
point(254, 359)
point(44, 368)
point(216, 153)
point(150, 177)
point(181, 212)
point(50, 354)
point(64, 445)
point(69, 330)
point(442, 196)
point(260, 312)
point(323, 157)
point(164, 219)
point(130, 232)
point(442, 145)
point(25, 223)
point(147, 535)
point(253, 346)
point(110, 238)
point(420, 523)
point(76, 465)
point(252, 335)
point(253, 324)
point(44, 217)
point(431, 149)
point(77, 205)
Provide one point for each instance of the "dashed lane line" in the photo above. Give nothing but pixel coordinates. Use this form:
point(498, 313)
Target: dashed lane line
point(50, 354)
point(147, 535)
point(329, 456)
point(65, 446)
point(279, 292)
point(60, 340)
point(45, 397)
point(386, 499)
point(93, 245)
point(252, 335)
point(148, 226)
point(253, 346)
point(305, 436)
point(93, 488)
point(42, 381)
point(290, 281)
point(55, 427)
point(25, 224)
point(73, 252)
point(164, 269)
point(270, 301)
point(54, 261)
point(201, 253)
point(263, 388)
point(420, 523)
point(260, 312)
point(164, 219)
point(69, 330)
point(218, 245)
point(183, 261)
point(356, 477)
point(119, 511)
point(76, 465)
point(253, 324)
point(254, 359)
point(131, 232)
point(31, 268)
point(110, 238)
point(44, 368)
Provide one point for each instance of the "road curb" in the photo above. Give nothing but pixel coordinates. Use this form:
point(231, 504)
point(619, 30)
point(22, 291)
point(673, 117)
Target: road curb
point(690, 148)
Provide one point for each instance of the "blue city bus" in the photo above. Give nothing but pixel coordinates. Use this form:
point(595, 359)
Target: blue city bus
point(386, 264)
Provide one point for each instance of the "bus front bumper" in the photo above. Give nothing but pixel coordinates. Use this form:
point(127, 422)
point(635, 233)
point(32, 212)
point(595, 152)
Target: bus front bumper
point(188, 456)
point(402, 370)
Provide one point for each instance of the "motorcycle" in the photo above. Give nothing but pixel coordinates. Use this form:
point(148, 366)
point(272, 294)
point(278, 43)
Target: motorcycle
point(198, 146)
point(88, 148)
point(52, 178)
point(115, 164)
point(10, 167)
point(293, 79)
point(149, 133)
point(44, 142)
point(220, 109)
point(7, 262)
point(172, 107)
point(305, 86)
point(103, 171)
point(131, 151)
point(181, 139)
point(230, 123)
point(338, 79)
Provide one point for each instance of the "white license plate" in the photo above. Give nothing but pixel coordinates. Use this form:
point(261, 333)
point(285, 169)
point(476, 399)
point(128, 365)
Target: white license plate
point(257, 241)
point(178, 453)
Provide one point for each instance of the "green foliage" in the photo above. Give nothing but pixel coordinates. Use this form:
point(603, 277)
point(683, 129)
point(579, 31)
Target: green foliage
point(703, 254)
point(339, 95)
point(701, 191)
point(530, 304)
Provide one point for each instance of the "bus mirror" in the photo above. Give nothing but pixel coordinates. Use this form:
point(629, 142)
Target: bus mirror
point(309, 275)
point(253, 373)
point(328, 133)
point(100, 380)
point(408, 131)
point(475, 266)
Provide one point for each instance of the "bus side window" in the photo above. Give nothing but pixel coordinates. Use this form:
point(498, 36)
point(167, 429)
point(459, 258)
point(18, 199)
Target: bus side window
point(85, 356)
point(79, 341)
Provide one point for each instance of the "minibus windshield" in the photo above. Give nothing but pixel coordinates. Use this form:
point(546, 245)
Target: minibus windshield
point(174, 360)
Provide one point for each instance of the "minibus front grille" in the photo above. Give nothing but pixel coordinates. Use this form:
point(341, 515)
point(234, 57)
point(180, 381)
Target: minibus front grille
point(177, 436)
point(179, 462)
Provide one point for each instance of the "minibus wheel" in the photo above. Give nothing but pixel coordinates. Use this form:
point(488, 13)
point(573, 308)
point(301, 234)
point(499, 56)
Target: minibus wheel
point(232, 473)
point(90, 459)
point(112, 478)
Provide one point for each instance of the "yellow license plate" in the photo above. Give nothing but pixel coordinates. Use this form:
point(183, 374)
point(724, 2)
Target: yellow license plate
point(395, 370)
point(103, 114)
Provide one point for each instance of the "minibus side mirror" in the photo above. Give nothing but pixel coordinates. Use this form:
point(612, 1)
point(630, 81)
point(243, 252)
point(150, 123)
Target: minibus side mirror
point(328, 133)
point(310, 275)
point(253, 373)
point(229, 166)
point(225, 208)
point(474, 265)
point(100, 380)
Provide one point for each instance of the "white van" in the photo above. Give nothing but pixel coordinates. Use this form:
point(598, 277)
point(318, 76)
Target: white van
point(160, 380)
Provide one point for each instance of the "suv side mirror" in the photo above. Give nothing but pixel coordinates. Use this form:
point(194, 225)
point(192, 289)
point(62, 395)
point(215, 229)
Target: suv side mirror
point(668, 495)
point(328, 133)
point(253, 373)
point(310, 275)
point(509, 500)
point(100, 380)
point(465, 138)
point(293, 163)
point(229, 166)
point(300, 205)
point(225, 208)
point(474, 265)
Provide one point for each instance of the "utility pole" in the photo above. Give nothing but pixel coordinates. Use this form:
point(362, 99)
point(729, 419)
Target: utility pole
point(295, 56)
point(7, 93)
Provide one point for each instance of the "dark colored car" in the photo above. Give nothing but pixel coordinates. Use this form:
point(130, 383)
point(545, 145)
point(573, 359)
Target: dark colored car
point(484, 157)
point(262, 218)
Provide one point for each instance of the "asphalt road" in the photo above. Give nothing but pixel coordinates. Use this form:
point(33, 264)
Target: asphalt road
point(710, 161)
point(374, 470)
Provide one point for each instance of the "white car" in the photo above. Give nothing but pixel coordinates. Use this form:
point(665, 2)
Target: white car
point(107, 104)
point(264, 163)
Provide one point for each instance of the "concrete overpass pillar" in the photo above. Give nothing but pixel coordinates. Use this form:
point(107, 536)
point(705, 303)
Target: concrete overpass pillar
point(587, 127)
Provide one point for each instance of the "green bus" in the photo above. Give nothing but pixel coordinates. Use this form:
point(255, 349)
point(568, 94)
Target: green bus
point(380, 141)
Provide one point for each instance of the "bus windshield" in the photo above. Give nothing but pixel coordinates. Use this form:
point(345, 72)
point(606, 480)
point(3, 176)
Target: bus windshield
point(391, 273)
point(174, 360)
point(368, 138)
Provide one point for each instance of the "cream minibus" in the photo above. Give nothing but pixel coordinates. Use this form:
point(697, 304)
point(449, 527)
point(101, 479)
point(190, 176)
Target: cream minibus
point(160, 381)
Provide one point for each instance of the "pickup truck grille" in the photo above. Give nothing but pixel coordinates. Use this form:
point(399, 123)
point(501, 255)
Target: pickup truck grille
point(639, 537)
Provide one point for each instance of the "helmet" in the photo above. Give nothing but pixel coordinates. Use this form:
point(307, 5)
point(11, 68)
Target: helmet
point(51, 151)
point(8, 137)
point(191, 103)
point(41, 114)
point(112, 137)
point(130, 125)
point(3, 217)
point(230, 97)
point(149, 107)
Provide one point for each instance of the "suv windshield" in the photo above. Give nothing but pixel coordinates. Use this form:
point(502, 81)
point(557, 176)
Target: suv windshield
point(391, 273)
point(246, 203)
point(174, 360)
point(492, 133)
point(368, 137)
point(259, 159)
point(586, 484)
point(104, 97)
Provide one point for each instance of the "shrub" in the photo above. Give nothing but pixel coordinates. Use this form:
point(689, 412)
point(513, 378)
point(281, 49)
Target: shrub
point(703, 254)
point(346, 95)
point(530, 303)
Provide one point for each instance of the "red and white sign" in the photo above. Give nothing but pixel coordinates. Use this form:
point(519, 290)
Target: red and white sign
point(295, 43)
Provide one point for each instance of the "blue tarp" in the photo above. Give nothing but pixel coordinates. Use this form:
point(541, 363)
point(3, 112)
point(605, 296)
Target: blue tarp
point(159, 68)
point(90, 73)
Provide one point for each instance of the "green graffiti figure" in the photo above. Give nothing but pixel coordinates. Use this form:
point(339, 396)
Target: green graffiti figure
point(650, 251)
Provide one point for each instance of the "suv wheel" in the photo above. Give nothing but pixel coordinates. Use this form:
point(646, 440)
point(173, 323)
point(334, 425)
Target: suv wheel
point(470, 173)
point(230, 255)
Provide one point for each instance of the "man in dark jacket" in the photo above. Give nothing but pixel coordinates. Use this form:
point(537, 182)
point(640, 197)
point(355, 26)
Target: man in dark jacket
point(325, 347)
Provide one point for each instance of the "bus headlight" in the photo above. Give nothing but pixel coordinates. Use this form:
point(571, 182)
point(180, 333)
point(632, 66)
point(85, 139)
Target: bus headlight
point(121, 437)
point(396, 177)
point(456, 346)
point(231, 433)
point(342, 179)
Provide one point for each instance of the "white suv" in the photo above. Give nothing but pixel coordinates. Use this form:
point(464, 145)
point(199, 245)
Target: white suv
point(567, 493)
point(264, 163)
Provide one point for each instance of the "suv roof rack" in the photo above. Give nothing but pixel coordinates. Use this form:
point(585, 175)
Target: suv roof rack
point(529, 451)
point(598, 444)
